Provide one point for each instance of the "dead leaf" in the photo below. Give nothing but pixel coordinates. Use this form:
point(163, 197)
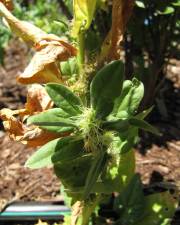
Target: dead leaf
point(38, 137)
point(27, 31)
point(37, 101)
point(43, 68)
point(11, 124)
point(76, 212)
point(50, 49)
point(121, 12)
point(17, 131)
point(8, 4)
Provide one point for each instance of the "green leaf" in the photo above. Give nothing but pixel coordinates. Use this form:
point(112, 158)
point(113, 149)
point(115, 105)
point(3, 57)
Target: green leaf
point(125, 173)
point(118, 173)
point(122, 101)
point(117, 125)
point(140, 4)
point(130, 98)
point(131, 203)
point(176, 3)
point(106, 87)
point(128, 143)
point(83, 15)
point(69, 67)
point(128, 139)
point(64, 98)
point(55, 120)
point(67, 220)
point(166, 11)
point(144, 113)
point(68, 149)
point(42, 157)
point(143, 125)
point(99, 162)
point(73, 173)
point(159, 209)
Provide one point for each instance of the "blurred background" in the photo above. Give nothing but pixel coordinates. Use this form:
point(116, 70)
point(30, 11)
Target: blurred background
point(150, 51)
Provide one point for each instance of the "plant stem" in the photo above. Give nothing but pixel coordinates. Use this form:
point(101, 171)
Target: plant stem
point(81, 62)
point(89, 209)
point(81, 54)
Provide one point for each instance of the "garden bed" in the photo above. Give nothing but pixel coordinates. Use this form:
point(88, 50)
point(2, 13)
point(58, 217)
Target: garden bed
point(158, 159)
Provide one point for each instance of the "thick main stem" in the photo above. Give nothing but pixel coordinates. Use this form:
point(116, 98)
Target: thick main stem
point(81, 53)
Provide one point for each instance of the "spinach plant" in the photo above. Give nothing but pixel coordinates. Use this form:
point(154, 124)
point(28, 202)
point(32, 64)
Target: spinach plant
point(85, 117)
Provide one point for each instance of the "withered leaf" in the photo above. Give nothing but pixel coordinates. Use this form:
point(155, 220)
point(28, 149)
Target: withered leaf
point(11, 124)
point(37, 101)
point(121, 12)
point(50, 50)
point(8, 4)
point(38, 137)
point(43, 67)
point(76, 212)
point(27, 31)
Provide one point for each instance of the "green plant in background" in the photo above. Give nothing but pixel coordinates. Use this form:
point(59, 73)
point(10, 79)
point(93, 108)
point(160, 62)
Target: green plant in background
point(151, 40)
point(95, 119)
point(44, 14)
point(5, 36)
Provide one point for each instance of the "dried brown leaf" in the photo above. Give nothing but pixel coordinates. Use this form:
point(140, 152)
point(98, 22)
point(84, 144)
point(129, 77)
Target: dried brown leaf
point(8, 4)
point(17, 131)
point(121, 12)
point(27, 31)
point(76, 212)
point(11, 124)
point(37, 101)
point(50, 49)
point(43, 68)
point(38, 137)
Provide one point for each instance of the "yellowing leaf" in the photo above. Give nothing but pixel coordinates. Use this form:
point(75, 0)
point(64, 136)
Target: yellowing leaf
point(83, 15)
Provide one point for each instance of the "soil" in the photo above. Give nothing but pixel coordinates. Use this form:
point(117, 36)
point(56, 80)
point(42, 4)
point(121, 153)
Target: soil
point(158, 158)
point(17, 182)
